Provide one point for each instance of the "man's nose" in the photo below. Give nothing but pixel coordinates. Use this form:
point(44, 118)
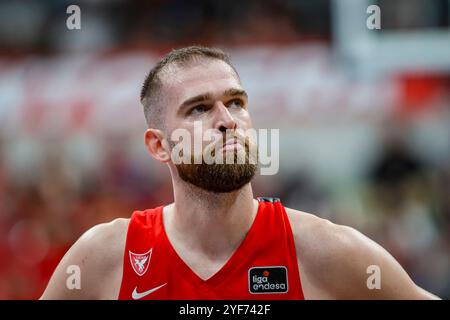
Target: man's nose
point(223, 119)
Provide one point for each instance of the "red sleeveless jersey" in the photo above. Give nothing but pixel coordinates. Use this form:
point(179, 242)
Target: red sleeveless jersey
point(264, 266)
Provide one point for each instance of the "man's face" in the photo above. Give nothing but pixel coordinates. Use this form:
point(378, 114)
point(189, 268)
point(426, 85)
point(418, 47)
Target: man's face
point(208, 94)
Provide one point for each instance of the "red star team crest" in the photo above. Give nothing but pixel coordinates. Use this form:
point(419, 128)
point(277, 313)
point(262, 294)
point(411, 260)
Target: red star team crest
point(140, 261)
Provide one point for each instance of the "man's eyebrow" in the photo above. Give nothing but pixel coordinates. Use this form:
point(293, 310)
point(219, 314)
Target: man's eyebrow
point(235, 92)
point(207, 96)
point(199, 98)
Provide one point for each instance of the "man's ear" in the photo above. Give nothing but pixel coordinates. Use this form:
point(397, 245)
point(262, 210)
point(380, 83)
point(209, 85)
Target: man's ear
point(157, 145)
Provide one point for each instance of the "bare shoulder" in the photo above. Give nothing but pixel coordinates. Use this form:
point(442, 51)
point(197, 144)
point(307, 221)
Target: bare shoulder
point(96, 258)
point(105, 238)
point(337, 262)
point(321, 243)
point(311, 232)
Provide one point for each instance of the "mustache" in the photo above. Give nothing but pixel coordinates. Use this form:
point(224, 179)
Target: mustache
point(212, 148)
point(227, 138)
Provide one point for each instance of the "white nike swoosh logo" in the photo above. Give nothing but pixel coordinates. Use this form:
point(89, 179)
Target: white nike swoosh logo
point(136, 295)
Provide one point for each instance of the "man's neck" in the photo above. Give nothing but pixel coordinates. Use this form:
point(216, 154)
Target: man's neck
point(213, 224)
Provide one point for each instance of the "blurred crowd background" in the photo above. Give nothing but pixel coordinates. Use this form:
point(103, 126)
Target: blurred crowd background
point(364, 119)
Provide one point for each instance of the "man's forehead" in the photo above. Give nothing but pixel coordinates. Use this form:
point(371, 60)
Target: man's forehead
point(199, 77)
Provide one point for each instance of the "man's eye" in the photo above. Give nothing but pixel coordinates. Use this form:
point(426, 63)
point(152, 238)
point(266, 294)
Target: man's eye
point(236, 103)
point(198, 109)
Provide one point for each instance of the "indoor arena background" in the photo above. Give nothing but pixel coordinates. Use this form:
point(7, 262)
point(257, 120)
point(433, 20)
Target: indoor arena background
point(364, 119)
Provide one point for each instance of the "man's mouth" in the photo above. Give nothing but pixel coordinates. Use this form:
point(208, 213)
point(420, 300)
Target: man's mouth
point(232, 144)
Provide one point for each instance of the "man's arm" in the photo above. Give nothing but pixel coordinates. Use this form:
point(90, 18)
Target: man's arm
point(339, 262)
point(91, 269)
point(369, 271)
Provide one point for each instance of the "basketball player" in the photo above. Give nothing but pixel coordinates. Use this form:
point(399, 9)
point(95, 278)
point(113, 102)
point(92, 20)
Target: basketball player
point(216, 241)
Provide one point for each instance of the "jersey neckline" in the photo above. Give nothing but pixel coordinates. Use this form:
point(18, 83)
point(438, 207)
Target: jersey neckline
point(237, 256)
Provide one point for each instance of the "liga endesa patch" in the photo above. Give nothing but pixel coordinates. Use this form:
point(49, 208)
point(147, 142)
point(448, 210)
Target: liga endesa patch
point(270, 279)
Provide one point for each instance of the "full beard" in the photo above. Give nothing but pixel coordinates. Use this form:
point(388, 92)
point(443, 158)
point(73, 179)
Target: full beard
point(219, 177)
